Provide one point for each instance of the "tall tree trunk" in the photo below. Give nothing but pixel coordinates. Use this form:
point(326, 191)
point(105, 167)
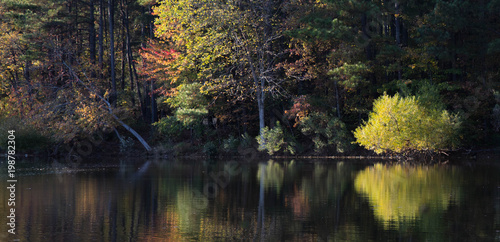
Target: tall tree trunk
point(398, 33)
point(151, 23)
point(92, 38)
point(139, 94)
point(111, 15)
point(27, 65)
point(101, 37)
point(129, 54)
point(260, 105)
point(337, 99)
point(154, 109)
point(366, 36)
point(147, 102)
point(14, 82)
point(124, 46)
point(144, 102)
point(77, 41)
point(259, 86)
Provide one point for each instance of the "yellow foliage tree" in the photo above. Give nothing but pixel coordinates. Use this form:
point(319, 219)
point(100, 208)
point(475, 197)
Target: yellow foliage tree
point(401, 125)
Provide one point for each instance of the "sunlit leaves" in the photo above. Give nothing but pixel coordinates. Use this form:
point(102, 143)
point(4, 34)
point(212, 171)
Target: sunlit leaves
point(189, 104)
point(402, 194)
point(274, 139)
point(402, 125)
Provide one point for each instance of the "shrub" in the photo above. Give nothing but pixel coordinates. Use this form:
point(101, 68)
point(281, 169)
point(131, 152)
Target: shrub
point(182, 148)
point(230, 144)
point(403, 125)
point(27, 137)
point(273, 139)
point(246, 141)
point(169, 126)
point(126, 144)
point(210, 149)
point(325, 130)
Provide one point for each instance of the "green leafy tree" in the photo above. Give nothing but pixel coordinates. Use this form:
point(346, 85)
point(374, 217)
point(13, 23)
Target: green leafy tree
point(231, 47)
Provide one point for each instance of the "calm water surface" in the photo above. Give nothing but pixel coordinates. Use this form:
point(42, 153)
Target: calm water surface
point(298, 200)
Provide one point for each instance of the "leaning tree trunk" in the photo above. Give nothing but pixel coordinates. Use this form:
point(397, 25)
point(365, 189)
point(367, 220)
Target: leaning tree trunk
point(110, 110)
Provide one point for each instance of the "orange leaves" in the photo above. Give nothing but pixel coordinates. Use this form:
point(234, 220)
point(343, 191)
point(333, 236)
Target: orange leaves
point(157, 62)
point(299, 110)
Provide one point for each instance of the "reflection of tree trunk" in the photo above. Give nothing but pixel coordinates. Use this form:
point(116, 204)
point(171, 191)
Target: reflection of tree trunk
point(113, 211)
point(133, 224)
point(260, 217)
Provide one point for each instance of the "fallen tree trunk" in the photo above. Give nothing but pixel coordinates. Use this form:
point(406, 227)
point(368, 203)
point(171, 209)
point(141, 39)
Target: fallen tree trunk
point(110, 110)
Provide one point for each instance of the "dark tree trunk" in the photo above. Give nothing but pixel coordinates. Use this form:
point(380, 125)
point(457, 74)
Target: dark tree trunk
point(124, 46)
point(101, 37)
point(130, 58)
point(397, 22)
point(112, 50)
point(147, 103)
point(92, 39)
point(154, 110)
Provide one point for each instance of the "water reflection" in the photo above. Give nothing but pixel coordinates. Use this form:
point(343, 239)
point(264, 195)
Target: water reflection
point(401, 194)
point(271, 175)
point(136, 200)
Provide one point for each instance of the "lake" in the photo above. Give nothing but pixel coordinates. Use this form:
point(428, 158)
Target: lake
point(133, 199)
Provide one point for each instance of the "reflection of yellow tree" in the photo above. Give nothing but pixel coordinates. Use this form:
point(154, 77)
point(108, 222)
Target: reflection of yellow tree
point(402, 193)
point(273, 175)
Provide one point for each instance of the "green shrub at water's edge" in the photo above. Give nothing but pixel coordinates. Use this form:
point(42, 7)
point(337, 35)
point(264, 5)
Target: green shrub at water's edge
point(401, 124)
point(326, 131)
point(169, 126)
point(230, 144)
point(210, 148)
point(276, 140)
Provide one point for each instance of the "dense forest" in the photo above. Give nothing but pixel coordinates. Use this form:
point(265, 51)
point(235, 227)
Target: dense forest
point(291, 77)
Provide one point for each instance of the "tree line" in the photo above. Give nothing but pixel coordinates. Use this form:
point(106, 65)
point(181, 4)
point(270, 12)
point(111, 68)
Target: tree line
point(299, 75)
